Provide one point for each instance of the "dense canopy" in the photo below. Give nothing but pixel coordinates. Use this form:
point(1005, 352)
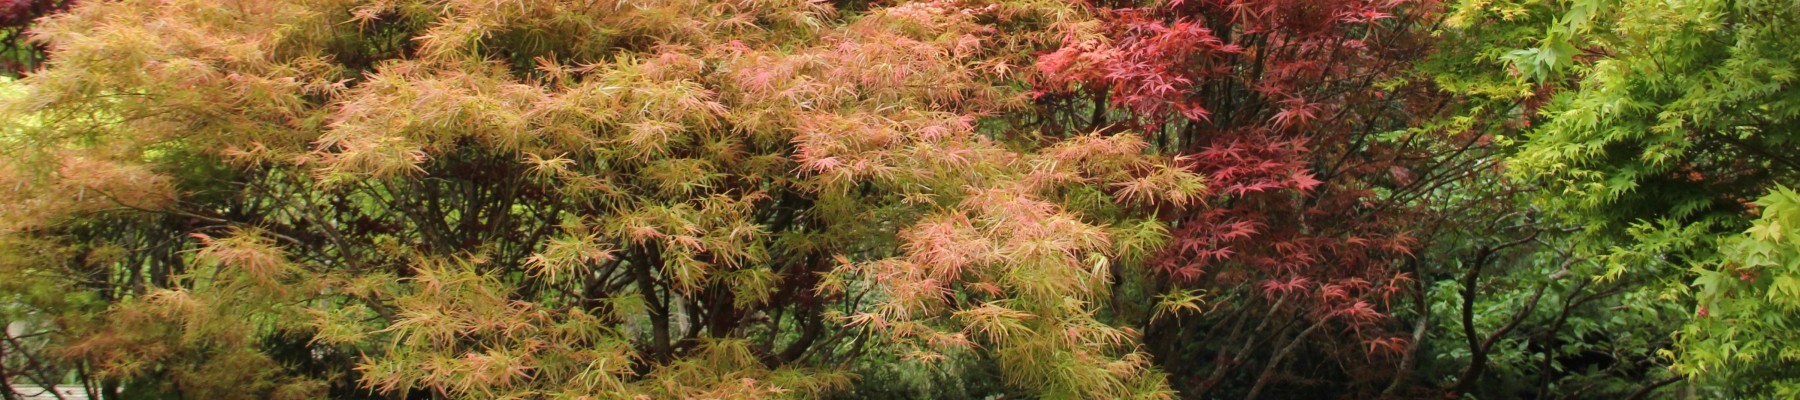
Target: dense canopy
point(731, 199)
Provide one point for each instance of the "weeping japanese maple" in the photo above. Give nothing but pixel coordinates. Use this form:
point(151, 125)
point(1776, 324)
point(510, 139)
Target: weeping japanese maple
point(567, 199)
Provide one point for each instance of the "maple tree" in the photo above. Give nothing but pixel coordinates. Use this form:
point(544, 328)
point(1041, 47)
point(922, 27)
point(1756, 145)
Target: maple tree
point(1674, 124)
point(527, 199)
point(1652, 127)
point(1537, 309)
point(1313, 137)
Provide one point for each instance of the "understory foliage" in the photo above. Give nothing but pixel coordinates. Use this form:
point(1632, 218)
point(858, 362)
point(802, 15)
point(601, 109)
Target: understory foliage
point(537, 199)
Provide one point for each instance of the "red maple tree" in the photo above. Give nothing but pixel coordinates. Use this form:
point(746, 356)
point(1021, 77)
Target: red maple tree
point(1297, 111)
